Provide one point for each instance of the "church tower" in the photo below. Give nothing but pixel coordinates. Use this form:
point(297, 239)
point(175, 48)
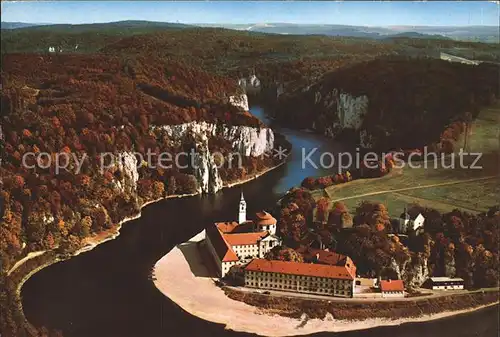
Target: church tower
point(243, 210)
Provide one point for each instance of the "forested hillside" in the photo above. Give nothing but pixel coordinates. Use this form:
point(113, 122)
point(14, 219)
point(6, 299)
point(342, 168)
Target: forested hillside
point(133, 88)
point(409, 102)
point(91, 105)
point(457, 243)
point(66, 111)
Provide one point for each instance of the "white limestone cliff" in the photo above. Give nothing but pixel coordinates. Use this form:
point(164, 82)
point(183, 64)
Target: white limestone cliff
point(126, 162)
point(348, 111)
point(206, 170)
point(414, 271)
point(240, 101)
point(351, 110)
point(250, 84)
point(248, 141)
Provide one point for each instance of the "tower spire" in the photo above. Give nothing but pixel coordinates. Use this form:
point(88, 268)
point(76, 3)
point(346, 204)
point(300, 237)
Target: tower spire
point(242, 217)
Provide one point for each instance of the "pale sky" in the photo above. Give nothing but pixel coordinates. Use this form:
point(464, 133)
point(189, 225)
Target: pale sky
point(386, 13)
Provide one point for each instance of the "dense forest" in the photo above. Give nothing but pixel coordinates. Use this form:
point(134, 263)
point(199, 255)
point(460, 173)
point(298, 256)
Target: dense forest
point(83, 106)
point(106, 88)
point(455, 244)
point(409, 101)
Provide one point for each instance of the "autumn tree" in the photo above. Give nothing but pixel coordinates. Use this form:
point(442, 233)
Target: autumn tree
point(322, 207)
point(284, 254)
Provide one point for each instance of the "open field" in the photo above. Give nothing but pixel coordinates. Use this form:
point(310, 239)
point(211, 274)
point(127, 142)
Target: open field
point(472, 190)
point(476, 196)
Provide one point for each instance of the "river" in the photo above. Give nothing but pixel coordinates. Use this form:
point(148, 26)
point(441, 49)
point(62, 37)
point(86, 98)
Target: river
point(107, 291)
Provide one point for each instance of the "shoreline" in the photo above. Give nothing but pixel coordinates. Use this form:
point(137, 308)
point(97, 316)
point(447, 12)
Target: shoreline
point(239, 316)
point(113, 234)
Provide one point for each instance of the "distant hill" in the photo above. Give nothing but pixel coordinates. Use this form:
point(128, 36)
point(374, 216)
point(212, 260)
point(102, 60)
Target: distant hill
point(237, 43)
point(108, 26)
point(415, 35)
point(466, 33)
point(15, 25)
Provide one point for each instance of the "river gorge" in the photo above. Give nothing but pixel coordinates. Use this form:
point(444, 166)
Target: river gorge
point(108, 291)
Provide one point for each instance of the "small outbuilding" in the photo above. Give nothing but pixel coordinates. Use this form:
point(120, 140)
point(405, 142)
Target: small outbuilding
point(407, 223)
point(445, 283)
point(392, 288)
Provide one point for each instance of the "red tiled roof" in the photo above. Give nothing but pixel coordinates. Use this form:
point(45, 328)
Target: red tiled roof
point(241, 239)
point(226, 227)
point(324, 256)
point(297, 268)
point(392, 285)
point(263, 215)
point(264, 218)
point(221, 247)
point(266, 222)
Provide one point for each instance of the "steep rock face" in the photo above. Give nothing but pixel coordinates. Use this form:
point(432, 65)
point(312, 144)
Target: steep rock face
point(126, 162)
point(250, 84)
point(346, 111)
point(246, 140)
point(280, 89)
point(449, 265)
point(240, 101)
point(366, 140)
point(413, 272)
point(351, 110)
point(250, 141)
point(206, 169)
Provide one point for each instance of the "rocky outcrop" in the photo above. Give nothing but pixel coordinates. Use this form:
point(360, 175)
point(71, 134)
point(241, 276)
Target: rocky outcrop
point(240, 101)
point(280, 89)
point(206, 170)
point(346, 111)
point(413, 272)
point(351, 110)
point(248, 141)
point(126, 162)
point(366, 140)
point(250, 84)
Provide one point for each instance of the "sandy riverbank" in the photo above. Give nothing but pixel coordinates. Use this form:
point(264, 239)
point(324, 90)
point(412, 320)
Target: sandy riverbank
point(182, 270)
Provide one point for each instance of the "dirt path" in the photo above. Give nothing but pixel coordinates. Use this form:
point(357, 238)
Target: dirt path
point(416, 188)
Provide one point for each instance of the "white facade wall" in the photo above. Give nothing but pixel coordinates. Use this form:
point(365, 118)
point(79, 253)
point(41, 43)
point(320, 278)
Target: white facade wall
point(226, 266)
point(270, 228)
point(393, 294)
point(246, 250)
point(448, 287)
point(418, 222)
point(298, 283)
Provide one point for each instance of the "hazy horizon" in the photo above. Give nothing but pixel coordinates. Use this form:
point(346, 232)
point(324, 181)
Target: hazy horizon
point(368, 14)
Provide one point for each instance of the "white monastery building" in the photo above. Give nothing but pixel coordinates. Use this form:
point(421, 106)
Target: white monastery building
point(236, 243)
point(310, 278)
